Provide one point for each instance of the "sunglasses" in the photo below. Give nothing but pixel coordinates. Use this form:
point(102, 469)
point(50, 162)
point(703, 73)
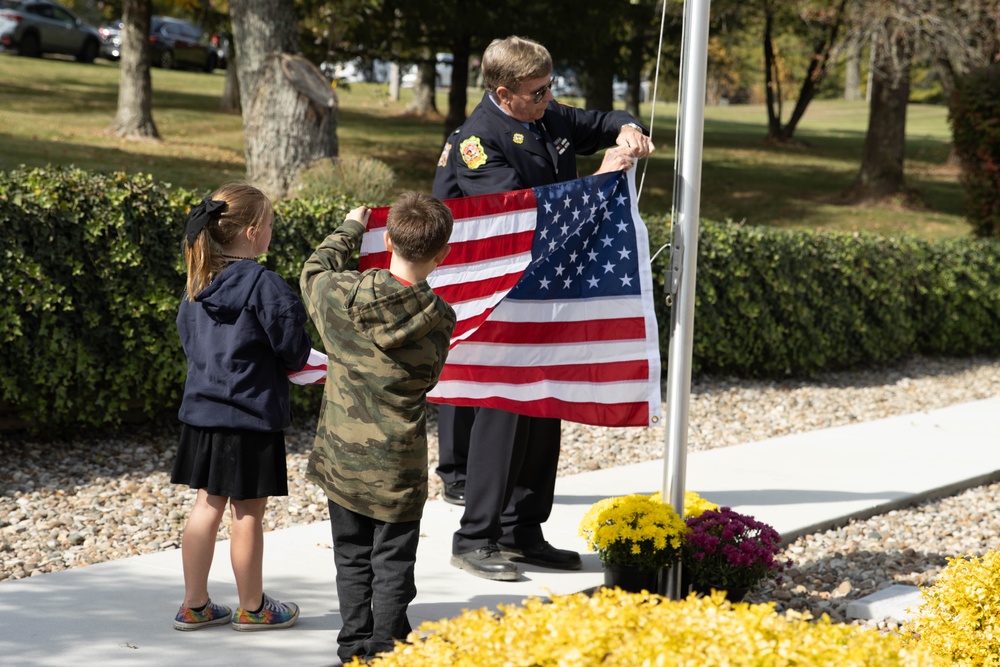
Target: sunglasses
point(537, 96)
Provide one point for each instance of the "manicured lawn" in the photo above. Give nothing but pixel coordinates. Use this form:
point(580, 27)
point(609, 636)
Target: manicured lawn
point(58, 112)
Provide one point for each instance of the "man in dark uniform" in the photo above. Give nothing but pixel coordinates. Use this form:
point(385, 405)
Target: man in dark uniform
point(503, 465)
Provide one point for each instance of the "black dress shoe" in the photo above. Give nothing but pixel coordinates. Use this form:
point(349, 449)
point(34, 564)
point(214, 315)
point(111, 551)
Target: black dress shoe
point(486, 562)
point(544, 554)
point(454, 493)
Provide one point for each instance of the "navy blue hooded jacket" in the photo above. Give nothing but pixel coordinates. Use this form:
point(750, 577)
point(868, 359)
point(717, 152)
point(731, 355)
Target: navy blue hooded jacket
point(242, 335)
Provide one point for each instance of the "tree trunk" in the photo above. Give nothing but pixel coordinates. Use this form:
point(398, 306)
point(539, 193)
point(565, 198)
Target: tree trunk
point(815, 73)
point(394, 76)
point(459, 91)
point(598, 84)
point(423, 102)
point(636, 59)
point(884, 149)
point(852, 74)
point(289, 108)
point(134, 119)
point(231, 89)
point(772, 79)
point(291, 123)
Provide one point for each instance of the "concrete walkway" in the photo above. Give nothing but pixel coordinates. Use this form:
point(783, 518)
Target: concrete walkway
point(119, 613)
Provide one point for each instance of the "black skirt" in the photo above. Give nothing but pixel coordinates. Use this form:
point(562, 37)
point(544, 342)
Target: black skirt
point(229, 462)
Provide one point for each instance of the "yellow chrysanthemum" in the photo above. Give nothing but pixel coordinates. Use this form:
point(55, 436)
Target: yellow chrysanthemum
point(633, 530)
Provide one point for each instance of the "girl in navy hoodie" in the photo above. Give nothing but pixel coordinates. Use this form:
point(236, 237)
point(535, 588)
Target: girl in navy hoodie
point(243, 330)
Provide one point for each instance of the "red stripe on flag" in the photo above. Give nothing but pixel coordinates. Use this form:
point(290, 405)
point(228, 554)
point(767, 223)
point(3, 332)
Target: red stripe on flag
point(507, 245)
point(610, 372)
point(550, 333)
point(378, 218)
point(479, 206)
point(466, 252)
point(614, 414)
point(476, 289)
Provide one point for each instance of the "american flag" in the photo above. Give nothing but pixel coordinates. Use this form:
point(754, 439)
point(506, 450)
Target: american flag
point(552, 287)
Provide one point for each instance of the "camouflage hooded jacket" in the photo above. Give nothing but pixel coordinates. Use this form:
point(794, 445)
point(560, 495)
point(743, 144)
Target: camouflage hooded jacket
point(386, 344)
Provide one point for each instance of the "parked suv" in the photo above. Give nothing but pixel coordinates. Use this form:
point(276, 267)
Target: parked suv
point(179, 43)
point(34, 27)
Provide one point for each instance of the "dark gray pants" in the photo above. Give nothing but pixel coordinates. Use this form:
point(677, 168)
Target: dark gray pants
point(375, 561)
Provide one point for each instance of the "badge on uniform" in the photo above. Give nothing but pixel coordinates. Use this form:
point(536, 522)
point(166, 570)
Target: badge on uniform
point(472, 152)
point(518, 138)
point(562, 144)
point(443, 160)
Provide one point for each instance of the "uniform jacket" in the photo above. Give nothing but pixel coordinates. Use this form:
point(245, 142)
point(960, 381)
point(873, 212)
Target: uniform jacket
point(386, 343)
point(492, 152)
point(242, 335)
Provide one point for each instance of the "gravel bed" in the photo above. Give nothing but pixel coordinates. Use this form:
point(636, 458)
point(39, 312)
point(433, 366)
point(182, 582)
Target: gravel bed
point(98, 497)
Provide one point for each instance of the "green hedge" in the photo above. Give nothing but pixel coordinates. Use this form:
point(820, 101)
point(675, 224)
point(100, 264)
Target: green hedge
point(88, 296)
point(92, 279)
point(773, 303)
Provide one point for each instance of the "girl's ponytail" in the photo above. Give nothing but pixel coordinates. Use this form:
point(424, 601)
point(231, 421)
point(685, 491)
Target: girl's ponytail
point(214, 224)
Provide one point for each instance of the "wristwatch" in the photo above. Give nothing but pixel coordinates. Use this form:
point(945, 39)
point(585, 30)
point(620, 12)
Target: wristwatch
point(634, 126)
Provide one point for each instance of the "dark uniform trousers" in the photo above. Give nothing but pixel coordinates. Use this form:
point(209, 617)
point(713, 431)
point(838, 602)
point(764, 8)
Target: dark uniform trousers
point(454, 428)
point(510, 480)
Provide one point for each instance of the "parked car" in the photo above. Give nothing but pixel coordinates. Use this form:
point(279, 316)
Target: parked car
point(619, 88)
point(442, 72)
point(179, 43)
point(36, 27)
point(111, 40)
point(356, 71)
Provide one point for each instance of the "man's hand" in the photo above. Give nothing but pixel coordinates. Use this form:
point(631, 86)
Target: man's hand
point(615, 159)
point(634, 142)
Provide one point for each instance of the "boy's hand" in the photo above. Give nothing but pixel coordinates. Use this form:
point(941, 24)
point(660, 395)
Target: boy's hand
point(360, 214)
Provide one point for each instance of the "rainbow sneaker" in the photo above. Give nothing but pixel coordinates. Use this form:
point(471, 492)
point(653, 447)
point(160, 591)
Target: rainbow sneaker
point(212, 614)
point(272, 616)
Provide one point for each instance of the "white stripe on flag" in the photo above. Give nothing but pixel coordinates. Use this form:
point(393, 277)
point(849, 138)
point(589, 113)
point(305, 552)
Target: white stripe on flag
point(572, 392)
point(575, 310)
point(471, 353)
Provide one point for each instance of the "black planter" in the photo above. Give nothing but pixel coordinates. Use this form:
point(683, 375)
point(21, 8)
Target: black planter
point(629, 578)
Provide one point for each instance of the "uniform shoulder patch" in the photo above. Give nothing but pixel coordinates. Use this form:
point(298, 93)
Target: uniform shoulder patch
point(443, 160)
point(472, 152)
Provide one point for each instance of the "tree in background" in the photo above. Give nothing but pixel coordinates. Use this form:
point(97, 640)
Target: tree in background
point(881, 173)
point(289, 109)
point(959, 35)
point(820, 22)
point(134, 119)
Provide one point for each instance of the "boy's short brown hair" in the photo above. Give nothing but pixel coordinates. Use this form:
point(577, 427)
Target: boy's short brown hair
point(419, 226)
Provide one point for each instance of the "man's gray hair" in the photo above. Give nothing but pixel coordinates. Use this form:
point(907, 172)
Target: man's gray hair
point(509, 61)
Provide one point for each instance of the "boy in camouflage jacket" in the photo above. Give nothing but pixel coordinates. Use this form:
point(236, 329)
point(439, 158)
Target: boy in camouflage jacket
point(386, 335)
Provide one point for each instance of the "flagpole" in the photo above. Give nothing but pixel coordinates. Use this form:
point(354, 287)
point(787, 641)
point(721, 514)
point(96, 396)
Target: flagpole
point(684, 260)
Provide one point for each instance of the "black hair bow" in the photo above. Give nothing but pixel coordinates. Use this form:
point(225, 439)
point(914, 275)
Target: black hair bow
point(202, 214)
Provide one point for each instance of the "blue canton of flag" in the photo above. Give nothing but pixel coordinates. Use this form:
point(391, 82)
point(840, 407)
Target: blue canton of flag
point(585, 244)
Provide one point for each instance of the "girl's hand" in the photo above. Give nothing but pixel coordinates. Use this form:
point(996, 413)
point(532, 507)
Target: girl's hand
point(360, 214)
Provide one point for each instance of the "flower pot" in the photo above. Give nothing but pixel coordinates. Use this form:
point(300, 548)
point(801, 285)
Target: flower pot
point(630, 578)
point(733, 593)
